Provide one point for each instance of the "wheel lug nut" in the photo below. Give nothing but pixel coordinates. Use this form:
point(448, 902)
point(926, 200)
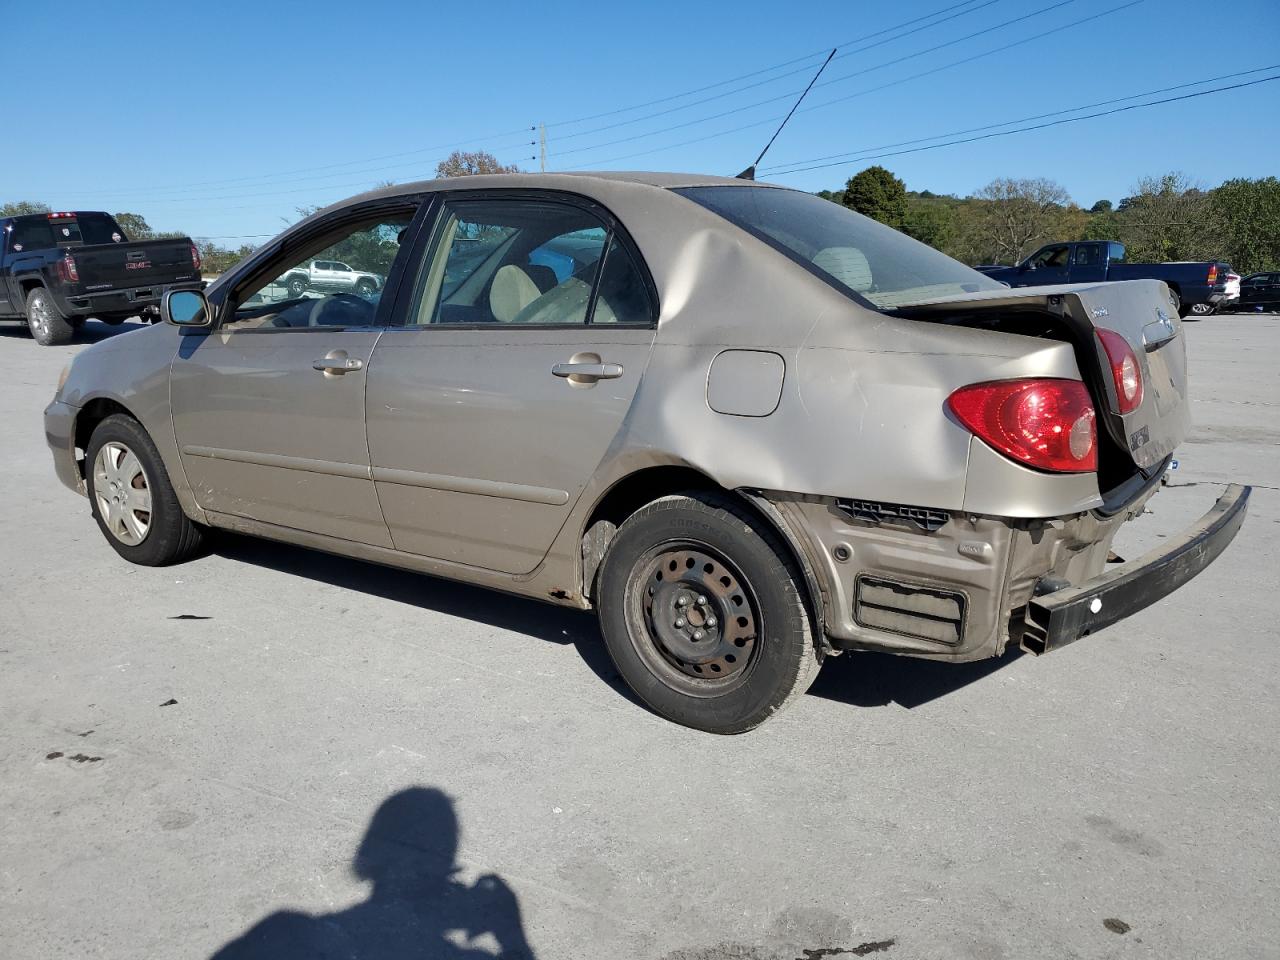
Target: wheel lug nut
point(698, 634)
point(682, 602)
point(702, 601)
point(711, 621)
point(679, 622)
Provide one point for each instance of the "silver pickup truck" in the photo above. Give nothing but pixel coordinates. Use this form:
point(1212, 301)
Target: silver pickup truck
point(330, 276)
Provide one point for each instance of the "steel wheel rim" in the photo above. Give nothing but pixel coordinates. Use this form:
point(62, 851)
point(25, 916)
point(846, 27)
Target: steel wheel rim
point(122, 493)
point(695, 618)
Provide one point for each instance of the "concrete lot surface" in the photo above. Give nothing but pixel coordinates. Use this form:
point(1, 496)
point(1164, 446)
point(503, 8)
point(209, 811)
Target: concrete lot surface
point(359, 762)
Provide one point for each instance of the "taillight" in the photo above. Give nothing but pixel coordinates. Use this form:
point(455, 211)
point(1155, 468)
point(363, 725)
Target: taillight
point(1213, 274)
point(1124, 369)
point(67, 269)
point(195, 257)
point(1047, 424)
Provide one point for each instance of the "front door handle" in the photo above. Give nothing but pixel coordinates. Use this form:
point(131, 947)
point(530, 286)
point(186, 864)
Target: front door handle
point(587, 372)
point(335, 363)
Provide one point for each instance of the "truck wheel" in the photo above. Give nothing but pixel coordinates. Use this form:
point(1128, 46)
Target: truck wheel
point(48, 326)
point(1176, 300)
point(1199, 310)
point(704, 614)
point(131, 496)
point(366, 288)
point(296, 286)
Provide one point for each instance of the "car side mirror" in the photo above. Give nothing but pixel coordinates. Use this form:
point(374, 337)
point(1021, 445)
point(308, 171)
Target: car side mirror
point(186, 308)
point(1028, 265)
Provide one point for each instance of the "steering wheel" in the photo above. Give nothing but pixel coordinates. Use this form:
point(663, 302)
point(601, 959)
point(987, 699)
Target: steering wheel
point(344, 303)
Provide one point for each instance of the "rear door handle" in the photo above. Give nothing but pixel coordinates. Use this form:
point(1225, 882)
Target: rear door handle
point(336, 363)
point(587, 372)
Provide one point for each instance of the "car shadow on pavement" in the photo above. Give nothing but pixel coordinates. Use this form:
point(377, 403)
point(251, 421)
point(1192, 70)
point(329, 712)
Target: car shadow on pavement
point(858, 679)
point(879, 679)
point(542, 621)
point(417, 906)
point(91, 332)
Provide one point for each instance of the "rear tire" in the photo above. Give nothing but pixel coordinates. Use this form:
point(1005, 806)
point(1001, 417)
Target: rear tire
point(296, 286)
point(704, 614)
point(48, 326)
point(132, 499)
point(1199, 310)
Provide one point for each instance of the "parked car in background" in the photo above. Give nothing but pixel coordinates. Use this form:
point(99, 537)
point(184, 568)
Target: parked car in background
point(59, 269)
point(1228, 302)
point(749, 427)
point(330, 276)
point(1260, 292)
point(1197, 287)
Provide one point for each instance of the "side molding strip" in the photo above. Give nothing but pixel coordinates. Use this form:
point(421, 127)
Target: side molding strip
point(333, 468)
point(483, 488)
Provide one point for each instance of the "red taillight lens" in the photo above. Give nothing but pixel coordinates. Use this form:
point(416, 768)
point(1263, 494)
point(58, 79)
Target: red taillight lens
point(195, 257)
point(1124, 369)
point(1213, 274)
point(67, 270)
point(1048, 424)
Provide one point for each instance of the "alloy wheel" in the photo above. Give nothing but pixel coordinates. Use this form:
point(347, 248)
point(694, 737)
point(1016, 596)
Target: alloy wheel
point(122, 493)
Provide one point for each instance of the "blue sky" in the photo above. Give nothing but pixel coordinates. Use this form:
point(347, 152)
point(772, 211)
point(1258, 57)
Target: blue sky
point(221, 119)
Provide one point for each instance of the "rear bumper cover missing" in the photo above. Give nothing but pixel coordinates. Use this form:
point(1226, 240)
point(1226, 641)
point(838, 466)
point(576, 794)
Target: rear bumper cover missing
point(1055, 619)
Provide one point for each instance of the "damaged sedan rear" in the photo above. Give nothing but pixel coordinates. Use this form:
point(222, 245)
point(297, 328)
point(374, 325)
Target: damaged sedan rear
point(749, 427)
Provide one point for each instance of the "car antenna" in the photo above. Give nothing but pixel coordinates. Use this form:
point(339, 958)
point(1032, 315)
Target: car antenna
point(750, 172)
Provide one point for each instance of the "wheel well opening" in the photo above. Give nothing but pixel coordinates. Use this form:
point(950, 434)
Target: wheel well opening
point(645, 486)
point(623, 499)
point(92, 414)
point(29, 285)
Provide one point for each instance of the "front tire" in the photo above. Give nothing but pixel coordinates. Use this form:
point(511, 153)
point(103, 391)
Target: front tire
point(703, 613)
point(132, 499)
point(48, 326)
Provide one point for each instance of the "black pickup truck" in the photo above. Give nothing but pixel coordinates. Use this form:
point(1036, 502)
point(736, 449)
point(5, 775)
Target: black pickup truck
point(1197, 286)
point(59, 269)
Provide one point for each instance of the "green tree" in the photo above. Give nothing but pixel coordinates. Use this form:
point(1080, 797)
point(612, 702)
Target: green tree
point(1170, 218)
point(468, 164)
point(1102, 206)
point(1249, 211)
point(878, 194)
point(19, 208)
point(1016, 216)
point(931, 222)
point(135, 226)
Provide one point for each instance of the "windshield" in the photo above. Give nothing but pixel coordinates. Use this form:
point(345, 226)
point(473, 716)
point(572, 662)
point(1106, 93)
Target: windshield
point(854, 253)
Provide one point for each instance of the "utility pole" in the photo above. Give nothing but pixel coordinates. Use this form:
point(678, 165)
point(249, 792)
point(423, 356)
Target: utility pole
point(542, 142)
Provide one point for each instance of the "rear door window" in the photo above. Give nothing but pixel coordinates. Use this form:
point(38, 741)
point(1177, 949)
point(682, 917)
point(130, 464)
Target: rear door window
point(527, 262)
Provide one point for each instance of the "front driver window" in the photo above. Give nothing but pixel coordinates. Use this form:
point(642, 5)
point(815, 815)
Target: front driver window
point(1051, 257)
point(309, 289)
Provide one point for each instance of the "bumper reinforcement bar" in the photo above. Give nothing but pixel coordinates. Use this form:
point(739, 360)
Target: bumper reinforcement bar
point(1065, 615)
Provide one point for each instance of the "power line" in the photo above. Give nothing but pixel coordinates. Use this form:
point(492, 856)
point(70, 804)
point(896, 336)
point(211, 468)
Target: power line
point(805, 69)
point(869, 90)
point(247, 180)
point(790, 94)
point(783, 168)
point(754, 73)
point(1039, 126)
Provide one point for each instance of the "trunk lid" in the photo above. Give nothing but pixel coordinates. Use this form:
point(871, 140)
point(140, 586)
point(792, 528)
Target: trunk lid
point(1140, 311)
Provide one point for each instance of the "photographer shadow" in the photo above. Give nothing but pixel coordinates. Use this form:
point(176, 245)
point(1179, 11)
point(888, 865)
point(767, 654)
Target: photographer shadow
point(417, 908)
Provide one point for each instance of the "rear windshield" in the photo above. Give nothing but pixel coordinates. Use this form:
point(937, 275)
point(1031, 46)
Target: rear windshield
point(853, 253)
point(39, 232)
